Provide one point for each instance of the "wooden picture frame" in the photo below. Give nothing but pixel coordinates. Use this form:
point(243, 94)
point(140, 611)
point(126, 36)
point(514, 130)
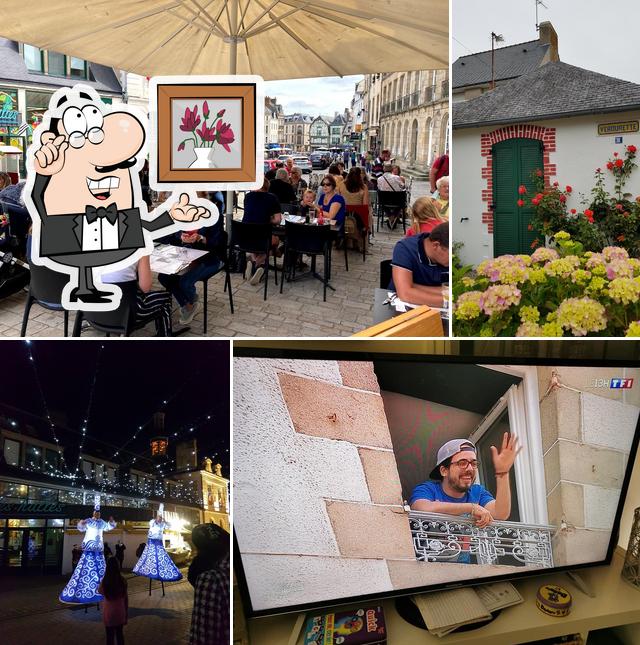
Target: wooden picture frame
point(234, 161)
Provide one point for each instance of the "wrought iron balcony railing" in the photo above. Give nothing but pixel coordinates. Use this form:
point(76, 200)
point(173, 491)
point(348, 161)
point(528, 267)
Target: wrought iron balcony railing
point(444, 538)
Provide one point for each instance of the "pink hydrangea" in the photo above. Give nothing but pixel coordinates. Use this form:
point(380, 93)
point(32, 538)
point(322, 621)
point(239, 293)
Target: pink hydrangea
point(499, 297)
point(544, 254)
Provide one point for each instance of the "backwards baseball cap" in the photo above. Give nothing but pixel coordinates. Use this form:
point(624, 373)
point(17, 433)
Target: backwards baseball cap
point(448, 450)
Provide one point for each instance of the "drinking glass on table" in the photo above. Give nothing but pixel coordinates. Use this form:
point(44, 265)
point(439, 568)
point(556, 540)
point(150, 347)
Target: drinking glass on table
point(445, 295)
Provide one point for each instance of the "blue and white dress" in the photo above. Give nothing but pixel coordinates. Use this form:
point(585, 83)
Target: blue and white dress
point(83, 585)
point(155, 561)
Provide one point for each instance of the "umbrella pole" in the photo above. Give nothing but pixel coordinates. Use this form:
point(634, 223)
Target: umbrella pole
point(233, 67)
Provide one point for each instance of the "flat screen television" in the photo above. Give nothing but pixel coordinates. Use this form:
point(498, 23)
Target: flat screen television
point(339, 495)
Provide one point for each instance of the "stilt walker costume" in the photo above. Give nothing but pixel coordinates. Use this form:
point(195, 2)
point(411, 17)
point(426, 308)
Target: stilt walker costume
point(155, 562)
point(82, 588)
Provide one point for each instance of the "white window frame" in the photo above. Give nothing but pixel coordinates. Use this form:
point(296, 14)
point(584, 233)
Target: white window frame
point(522, 402)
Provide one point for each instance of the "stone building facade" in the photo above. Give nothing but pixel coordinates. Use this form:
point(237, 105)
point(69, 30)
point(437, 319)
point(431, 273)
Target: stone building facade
point(414, 115)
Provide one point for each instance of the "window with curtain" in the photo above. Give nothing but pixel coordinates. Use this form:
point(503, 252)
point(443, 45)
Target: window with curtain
point(57, 64)
point(33, 58)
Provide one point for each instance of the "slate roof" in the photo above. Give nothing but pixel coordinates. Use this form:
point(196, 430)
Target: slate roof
point(509, 62)
point(554, 90)
point(14, 69)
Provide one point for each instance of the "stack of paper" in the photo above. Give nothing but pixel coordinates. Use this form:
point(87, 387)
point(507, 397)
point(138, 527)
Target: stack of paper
point(445, 611)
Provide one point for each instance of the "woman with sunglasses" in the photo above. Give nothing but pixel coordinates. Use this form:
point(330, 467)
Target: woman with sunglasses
point(331, 202)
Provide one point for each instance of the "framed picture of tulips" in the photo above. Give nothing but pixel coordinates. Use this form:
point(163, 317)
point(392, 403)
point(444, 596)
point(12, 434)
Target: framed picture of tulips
point(206, 133)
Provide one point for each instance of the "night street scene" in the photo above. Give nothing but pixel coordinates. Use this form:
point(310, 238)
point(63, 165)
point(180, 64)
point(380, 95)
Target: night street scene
point(114, 456)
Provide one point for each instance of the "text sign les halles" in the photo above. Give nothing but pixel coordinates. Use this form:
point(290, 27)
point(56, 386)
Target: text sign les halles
point(33, 507)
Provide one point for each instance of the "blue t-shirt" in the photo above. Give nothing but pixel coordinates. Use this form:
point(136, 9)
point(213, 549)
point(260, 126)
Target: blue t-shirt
point(341, 213)
point(409, 254)
point(432, 491)
point(260, 207)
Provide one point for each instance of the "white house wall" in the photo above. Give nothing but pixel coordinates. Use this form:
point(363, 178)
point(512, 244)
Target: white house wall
point(579, 150)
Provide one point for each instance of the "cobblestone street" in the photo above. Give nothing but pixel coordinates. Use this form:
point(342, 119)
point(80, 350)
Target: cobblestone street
point(31, 614)
point(299, 311)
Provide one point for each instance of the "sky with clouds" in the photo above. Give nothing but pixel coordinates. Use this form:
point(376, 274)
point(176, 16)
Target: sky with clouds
point(592, 34)
point(314, 96)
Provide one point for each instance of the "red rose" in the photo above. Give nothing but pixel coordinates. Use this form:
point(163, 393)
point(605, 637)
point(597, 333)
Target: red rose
point(619, 207)
point(538, 173)
point(615, 154)
point(568, 189)
point(632, 149)
point(589, 215)
point(522, 190)
point(597, 169)
point(535, 201)
point(562, 198)
point(555, 184)
point(619, 163)
point(609, 165)
point(620, 238)
point(520, 203)
point(529, 227)
point(539, 196)
point(535, 243)
point(573, 211)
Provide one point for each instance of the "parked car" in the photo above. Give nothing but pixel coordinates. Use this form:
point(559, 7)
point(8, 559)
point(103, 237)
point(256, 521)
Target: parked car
point(303, 163)
point(319, 160)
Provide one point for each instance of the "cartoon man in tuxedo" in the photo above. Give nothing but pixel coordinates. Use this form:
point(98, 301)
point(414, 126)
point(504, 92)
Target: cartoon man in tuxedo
point(85, 198)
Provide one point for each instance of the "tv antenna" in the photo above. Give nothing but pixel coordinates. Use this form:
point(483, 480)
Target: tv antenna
point(541, 4)
point(495, 38)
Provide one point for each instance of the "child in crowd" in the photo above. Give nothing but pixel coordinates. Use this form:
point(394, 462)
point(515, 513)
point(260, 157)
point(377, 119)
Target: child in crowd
point(116, 602)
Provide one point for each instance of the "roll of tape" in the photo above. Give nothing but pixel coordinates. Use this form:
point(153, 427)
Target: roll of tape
point(553, 600)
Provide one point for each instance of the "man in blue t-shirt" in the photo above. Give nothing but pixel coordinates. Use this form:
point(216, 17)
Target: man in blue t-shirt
point(420, 266)
point(453, 492)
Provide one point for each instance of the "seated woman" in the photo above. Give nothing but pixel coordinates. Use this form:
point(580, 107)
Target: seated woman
point(442, 187)
point(425, 216)
point(261, 207)
point(332, 203)
point(354, 190)
point(183, 286)
point(297, 182)
point(150, 305)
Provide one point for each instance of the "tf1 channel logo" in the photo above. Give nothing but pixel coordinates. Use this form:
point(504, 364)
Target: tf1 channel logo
point(613, 383)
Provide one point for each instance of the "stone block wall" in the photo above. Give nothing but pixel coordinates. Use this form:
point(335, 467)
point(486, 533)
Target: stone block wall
point(587, 429)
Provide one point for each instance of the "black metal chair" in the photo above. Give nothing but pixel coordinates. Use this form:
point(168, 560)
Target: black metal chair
point(221, 252)
point(307, 240)
point(390, 201)
point(45, 289)
point(254, 238)
point(385, 273)
point(120, 321)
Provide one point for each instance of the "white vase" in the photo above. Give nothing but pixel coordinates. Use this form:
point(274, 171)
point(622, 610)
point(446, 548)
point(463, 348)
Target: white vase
point(204, 158)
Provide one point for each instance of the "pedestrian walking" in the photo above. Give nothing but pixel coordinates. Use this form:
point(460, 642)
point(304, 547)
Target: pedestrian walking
point(353, 158)
point(115, 607)
point(120, 549)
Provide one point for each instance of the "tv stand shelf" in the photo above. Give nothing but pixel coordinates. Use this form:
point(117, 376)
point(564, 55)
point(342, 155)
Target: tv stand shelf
point(616, 603)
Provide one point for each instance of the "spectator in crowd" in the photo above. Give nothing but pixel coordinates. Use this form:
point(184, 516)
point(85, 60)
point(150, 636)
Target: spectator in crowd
point(209, 575)
point(281, 188)
point(395, 170)
point(115, 605)
point(342, 169)
point(345, 158)
point(425, 216)
point(378, 164)
point(353, 158)
point(307, 205)
point(261, 207)
point(368, 161)
point(420, 266)
point(288, 164)
point(120, 549)
point(390, 180)
point(439, 168)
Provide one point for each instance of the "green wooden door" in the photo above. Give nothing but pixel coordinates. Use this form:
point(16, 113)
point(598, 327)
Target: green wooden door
point(514, 161)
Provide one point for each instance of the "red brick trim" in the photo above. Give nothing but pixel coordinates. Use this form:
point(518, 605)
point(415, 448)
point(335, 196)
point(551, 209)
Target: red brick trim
point(520, 131)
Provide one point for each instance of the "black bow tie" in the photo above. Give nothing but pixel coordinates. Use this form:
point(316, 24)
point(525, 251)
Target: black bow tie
point(110, 212)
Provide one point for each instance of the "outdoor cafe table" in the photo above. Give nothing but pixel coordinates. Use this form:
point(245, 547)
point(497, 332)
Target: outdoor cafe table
point(172, 260)
point(383, 310)
point(280, 231)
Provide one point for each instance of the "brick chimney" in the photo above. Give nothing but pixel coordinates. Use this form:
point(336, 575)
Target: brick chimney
point(549, 36)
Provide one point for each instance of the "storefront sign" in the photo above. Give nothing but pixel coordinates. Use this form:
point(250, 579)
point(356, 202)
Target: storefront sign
point(618, 128)
point(31, 508)
point(9, 117)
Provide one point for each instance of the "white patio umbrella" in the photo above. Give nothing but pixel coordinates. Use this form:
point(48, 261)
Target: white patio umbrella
point(276, 39)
